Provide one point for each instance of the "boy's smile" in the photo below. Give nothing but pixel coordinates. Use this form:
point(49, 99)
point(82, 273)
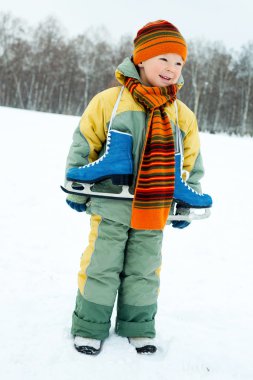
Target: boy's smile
point(161, 70)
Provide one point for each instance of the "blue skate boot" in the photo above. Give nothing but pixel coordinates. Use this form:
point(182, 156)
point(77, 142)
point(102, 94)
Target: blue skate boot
point(183, 194)
point(116, 163)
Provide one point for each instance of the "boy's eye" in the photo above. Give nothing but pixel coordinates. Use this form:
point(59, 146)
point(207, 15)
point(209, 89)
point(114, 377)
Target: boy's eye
point(165, 60)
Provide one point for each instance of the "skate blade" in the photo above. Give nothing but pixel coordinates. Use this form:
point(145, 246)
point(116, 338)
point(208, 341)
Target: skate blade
point(78, 188)
point(195, 214)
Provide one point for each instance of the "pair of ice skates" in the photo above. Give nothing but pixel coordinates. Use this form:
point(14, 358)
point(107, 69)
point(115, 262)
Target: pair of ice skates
point(117, 164)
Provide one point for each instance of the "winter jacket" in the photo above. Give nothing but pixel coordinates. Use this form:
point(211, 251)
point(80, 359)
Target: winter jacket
point(90, 137)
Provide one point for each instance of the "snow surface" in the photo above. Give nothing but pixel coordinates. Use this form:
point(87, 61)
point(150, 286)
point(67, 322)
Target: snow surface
point(205, 318)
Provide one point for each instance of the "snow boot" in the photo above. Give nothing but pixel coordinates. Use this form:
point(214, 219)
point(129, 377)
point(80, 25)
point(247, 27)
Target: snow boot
point(143, 345)
point(87, 346)
point(183, 194)
point(116, 163)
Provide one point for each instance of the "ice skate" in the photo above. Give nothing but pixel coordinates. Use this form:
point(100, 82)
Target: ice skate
point(143, 345)
point(116, 164)
point(184, 195)
point(87, 346)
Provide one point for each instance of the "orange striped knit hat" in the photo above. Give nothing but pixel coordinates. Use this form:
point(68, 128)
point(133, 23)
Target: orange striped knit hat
point(156, 38)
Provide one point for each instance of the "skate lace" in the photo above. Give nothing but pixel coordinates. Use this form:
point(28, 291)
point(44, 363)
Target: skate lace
point(108, 142)
point(189, 187)
point(185, 183)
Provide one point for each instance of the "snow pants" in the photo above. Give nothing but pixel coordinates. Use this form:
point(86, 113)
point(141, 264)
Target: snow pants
point(119, 261)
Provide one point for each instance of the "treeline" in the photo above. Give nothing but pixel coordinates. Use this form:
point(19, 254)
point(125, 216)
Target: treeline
point(42, 69)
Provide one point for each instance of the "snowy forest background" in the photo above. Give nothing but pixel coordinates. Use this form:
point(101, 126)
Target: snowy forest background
point(42, 69)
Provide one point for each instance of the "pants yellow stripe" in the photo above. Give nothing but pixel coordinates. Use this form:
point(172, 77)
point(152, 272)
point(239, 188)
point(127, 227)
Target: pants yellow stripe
point(86, 256)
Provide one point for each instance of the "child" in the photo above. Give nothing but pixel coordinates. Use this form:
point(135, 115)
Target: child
point(123, 257)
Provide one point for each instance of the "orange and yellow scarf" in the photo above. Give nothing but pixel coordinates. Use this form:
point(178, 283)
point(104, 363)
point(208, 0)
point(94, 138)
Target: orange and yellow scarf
point(156, 177)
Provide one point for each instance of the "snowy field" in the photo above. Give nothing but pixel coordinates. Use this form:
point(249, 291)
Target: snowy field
point(205, 319)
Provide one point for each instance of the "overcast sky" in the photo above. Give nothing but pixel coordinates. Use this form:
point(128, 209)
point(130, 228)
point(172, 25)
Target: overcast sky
point(229, 21)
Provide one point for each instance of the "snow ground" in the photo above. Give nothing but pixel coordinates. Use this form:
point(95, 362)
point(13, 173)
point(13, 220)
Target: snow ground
point(205, 319)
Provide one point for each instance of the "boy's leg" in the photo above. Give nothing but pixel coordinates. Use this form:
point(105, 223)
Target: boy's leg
point(137, 298)
point(98, 279)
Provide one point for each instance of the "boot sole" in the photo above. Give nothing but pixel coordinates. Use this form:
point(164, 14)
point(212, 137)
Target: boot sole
point(88, 350)
point(149, 349)
point(188, 205)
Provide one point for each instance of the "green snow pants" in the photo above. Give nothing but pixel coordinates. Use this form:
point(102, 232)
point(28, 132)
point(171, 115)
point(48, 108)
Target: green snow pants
point(118, 261)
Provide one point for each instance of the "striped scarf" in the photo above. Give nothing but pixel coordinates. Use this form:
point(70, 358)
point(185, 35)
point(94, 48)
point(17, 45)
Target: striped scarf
point(155, 182)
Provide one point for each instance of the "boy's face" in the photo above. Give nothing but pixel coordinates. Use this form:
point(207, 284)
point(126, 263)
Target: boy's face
point(161, 70)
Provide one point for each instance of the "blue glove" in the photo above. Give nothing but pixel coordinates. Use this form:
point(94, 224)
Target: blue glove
point(180, 224)
point(79, 207)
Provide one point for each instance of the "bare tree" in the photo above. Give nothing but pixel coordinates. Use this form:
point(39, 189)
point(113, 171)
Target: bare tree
point(13, 48)
point(245, 75)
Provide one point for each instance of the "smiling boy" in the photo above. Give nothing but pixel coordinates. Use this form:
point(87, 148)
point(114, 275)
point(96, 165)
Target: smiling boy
point(123, 257)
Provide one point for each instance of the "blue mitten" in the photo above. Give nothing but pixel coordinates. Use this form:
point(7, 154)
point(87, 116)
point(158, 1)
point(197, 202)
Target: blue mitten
point(77, 202)
point(76, 206)
point(181, 223)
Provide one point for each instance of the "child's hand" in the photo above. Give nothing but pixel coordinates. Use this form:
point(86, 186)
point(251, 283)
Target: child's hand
point(181, 223)
point(77, 202)
point(80, 207)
